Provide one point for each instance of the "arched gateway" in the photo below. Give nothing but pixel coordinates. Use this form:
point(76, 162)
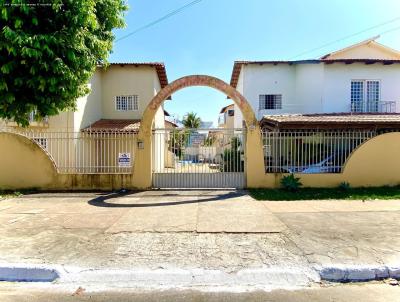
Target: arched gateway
point(192, 158)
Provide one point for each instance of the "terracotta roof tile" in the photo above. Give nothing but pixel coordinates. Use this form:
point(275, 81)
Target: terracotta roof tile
point(335, 120)
point(105, 125)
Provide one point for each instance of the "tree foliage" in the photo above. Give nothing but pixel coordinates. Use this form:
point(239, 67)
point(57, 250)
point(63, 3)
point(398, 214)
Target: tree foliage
point(191, 120)
point(232, 157)
point(49, 50)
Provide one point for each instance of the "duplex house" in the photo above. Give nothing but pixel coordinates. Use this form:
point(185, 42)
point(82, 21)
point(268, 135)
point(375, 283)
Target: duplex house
point(119, 95)
point(97, 136)
point(362, 78)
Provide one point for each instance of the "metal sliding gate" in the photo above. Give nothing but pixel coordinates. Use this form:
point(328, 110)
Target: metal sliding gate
point(198, 158)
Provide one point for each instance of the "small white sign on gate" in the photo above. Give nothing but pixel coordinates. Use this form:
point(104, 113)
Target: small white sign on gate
point(124, 159)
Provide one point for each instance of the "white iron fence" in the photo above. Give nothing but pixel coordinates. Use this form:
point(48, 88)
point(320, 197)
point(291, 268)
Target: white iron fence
point(198, 158)
point(310, 152)
point(100, 151)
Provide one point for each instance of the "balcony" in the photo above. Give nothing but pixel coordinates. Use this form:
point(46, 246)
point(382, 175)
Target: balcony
point(377, 107)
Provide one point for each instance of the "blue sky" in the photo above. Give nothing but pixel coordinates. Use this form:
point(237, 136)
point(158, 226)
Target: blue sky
point(208, 37)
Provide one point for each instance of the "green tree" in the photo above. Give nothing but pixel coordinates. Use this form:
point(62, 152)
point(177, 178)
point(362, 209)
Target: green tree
point(191, 120)
point(232, 157)
point(178, 140)
point(49, 50)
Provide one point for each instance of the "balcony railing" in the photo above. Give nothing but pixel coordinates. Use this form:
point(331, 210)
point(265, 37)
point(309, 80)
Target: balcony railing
point(378, 107)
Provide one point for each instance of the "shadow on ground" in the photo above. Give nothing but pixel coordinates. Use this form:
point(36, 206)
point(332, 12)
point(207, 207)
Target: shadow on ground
point(103, 200)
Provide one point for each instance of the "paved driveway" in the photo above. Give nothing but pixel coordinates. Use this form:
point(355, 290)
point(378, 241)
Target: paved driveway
point(150, 211)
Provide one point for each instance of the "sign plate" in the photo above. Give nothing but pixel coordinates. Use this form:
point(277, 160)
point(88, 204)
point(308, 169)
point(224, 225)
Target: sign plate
point(124, 159)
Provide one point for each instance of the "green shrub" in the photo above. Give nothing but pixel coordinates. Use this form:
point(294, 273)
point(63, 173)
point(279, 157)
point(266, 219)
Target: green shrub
point(291, 183)
point(344, 186)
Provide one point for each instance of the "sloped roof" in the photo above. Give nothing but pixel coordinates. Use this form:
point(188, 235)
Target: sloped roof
point(118, 125)
point(376, 51)
point(106, 125)
point(392, 57)
point(332, 121)
point(223, 109)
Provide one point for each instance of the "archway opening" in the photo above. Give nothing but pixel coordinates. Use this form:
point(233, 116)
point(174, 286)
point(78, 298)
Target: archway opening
point(206, 103)
point(183, 157)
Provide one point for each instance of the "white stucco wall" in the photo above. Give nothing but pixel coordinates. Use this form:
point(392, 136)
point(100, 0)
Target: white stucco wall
point(338, 82)
point(309, 88)
point(270, 79)
point(238, 119)
point(89, 108)
point(313, 87)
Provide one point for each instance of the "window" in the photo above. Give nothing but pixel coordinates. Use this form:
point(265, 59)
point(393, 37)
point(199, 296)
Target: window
point(373, 96)
point(270, 101)
point(221, 119)
point(32, 116)
point(126, 103)
point(365, 95)
point(231, 112)
point(41, 142)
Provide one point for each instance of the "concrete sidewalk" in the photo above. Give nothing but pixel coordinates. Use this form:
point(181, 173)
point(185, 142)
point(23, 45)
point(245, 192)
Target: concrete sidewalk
point(201, 236)
point(150, 211)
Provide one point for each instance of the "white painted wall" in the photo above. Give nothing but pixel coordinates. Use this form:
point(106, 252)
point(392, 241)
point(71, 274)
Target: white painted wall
point(309, 88)
point(338, 82)
point(238, 119)
point(89, 108)
point(313, 87)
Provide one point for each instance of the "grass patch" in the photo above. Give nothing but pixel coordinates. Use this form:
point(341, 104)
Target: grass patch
point(9, 194)
point(16, 193)
point(327, 193)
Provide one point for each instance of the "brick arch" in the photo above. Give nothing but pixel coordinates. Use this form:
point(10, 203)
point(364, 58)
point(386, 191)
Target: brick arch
point(197, 80)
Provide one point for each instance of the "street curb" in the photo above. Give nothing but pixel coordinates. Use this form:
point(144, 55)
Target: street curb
point(358, 273)
point(166, 278)
point(13, 273)
point(268, 278)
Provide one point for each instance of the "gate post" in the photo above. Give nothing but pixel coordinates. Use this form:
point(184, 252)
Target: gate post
point(255, 169)
point(142, 176)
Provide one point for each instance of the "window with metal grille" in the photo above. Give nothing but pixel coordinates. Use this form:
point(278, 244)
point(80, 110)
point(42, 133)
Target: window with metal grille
point(357, 96)
point(373, 96)
point(365, 95)
point(270, 101)
point(126, 103)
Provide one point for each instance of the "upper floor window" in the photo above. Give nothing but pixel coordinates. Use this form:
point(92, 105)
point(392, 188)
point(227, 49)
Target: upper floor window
point(365, 95)
point(231, 112)
point(270, 101)
point(126, 103)
point(32, 116)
